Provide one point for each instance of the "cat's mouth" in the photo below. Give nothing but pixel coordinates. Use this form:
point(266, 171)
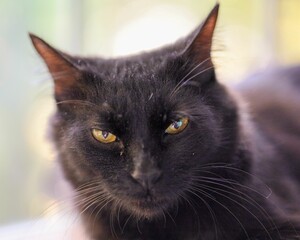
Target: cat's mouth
point(148, 202)
point(147, 207)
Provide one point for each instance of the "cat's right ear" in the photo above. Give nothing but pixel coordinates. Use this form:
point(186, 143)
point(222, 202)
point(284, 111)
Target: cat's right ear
point(200, 41)
point(64, 73)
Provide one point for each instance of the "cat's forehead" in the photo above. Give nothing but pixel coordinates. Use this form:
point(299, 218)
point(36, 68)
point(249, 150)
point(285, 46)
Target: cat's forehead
point(141, 85)
point(137, 95)
point(142, 80)
point(141, 67)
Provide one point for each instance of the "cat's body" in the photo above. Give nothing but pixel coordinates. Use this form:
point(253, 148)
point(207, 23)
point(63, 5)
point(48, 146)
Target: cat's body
point(274, 105)
point(268, 203)
point(157, 149)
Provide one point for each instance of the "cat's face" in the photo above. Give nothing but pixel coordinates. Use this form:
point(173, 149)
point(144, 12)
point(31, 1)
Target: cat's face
point(144, 166)
point(137, 130)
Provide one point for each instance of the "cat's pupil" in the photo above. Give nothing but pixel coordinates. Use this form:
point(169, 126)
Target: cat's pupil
point(105, 134)
point(177, 124)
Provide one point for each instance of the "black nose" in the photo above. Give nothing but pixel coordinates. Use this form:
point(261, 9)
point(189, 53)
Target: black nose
point(148, 179)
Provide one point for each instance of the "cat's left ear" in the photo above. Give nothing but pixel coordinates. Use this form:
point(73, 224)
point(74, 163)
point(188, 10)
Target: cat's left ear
point(64, 72)
point(199, 47)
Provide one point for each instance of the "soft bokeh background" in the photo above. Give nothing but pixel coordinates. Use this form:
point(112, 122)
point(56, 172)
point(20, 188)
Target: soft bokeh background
point(251, 35)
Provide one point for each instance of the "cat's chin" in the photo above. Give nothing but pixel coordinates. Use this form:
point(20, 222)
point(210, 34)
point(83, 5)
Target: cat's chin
point(145, 208)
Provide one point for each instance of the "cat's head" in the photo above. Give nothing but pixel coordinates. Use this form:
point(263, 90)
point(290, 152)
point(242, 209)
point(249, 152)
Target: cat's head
point(135, 131)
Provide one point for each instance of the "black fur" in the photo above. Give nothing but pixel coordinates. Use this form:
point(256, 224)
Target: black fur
point(229, 175)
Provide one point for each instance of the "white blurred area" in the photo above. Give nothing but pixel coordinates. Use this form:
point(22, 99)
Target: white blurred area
point(58, 227)
point(158, 26)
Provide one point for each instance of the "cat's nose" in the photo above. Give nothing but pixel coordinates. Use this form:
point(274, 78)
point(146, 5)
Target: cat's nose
point(147, 179)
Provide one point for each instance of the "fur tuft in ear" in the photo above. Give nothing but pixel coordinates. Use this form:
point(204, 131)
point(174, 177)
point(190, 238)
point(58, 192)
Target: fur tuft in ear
point(64, 73)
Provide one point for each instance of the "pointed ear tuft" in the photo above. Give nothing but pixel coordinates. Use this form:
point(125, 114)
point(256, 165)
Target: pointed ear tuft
point(200, 47)
point(64, 73)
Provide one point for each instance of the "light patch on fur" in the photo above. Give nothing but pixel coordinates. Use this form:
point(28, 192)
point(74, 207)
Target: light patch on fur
point(151, 95)
point(165, 117)
point(246, 129)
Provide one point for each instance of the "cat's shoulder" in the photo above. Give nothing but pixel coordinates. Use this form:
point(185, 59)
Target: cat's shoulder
point(273, 100)
point(272, 89)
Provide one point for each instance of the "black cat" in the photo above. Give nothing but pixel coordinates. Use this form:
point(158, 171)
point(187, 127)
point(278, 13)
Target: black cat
point(156, 148)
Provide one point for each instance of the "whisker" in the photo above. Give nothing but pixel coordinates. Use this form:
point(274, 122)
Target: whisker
point(123, 228)
point(247, 173)
point(173, 220)
point(212, 213)
point(118, 214)
point(189, 79)
point(192, 206)
point(111, 223)
point(226, 208)
point(231, 182)
point(76, 101)
point(137, 225)
point(108, 200)
point(197, 66)
point(241, 205)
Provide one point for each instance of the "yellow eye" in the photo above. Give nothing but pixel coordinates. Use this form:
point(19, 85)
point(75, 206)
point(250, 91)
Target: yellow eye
point(177, 126)
point(103, 136)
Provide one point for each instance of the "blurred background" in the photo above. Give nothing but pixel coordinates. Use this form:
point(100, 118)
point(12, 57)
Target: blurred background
point(251, 35)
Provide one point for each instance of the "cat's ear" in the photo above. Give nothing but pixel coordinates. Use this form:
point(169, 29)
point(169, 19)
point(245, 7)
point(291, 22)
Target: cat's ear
point(200, 42)
point(64, 73)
